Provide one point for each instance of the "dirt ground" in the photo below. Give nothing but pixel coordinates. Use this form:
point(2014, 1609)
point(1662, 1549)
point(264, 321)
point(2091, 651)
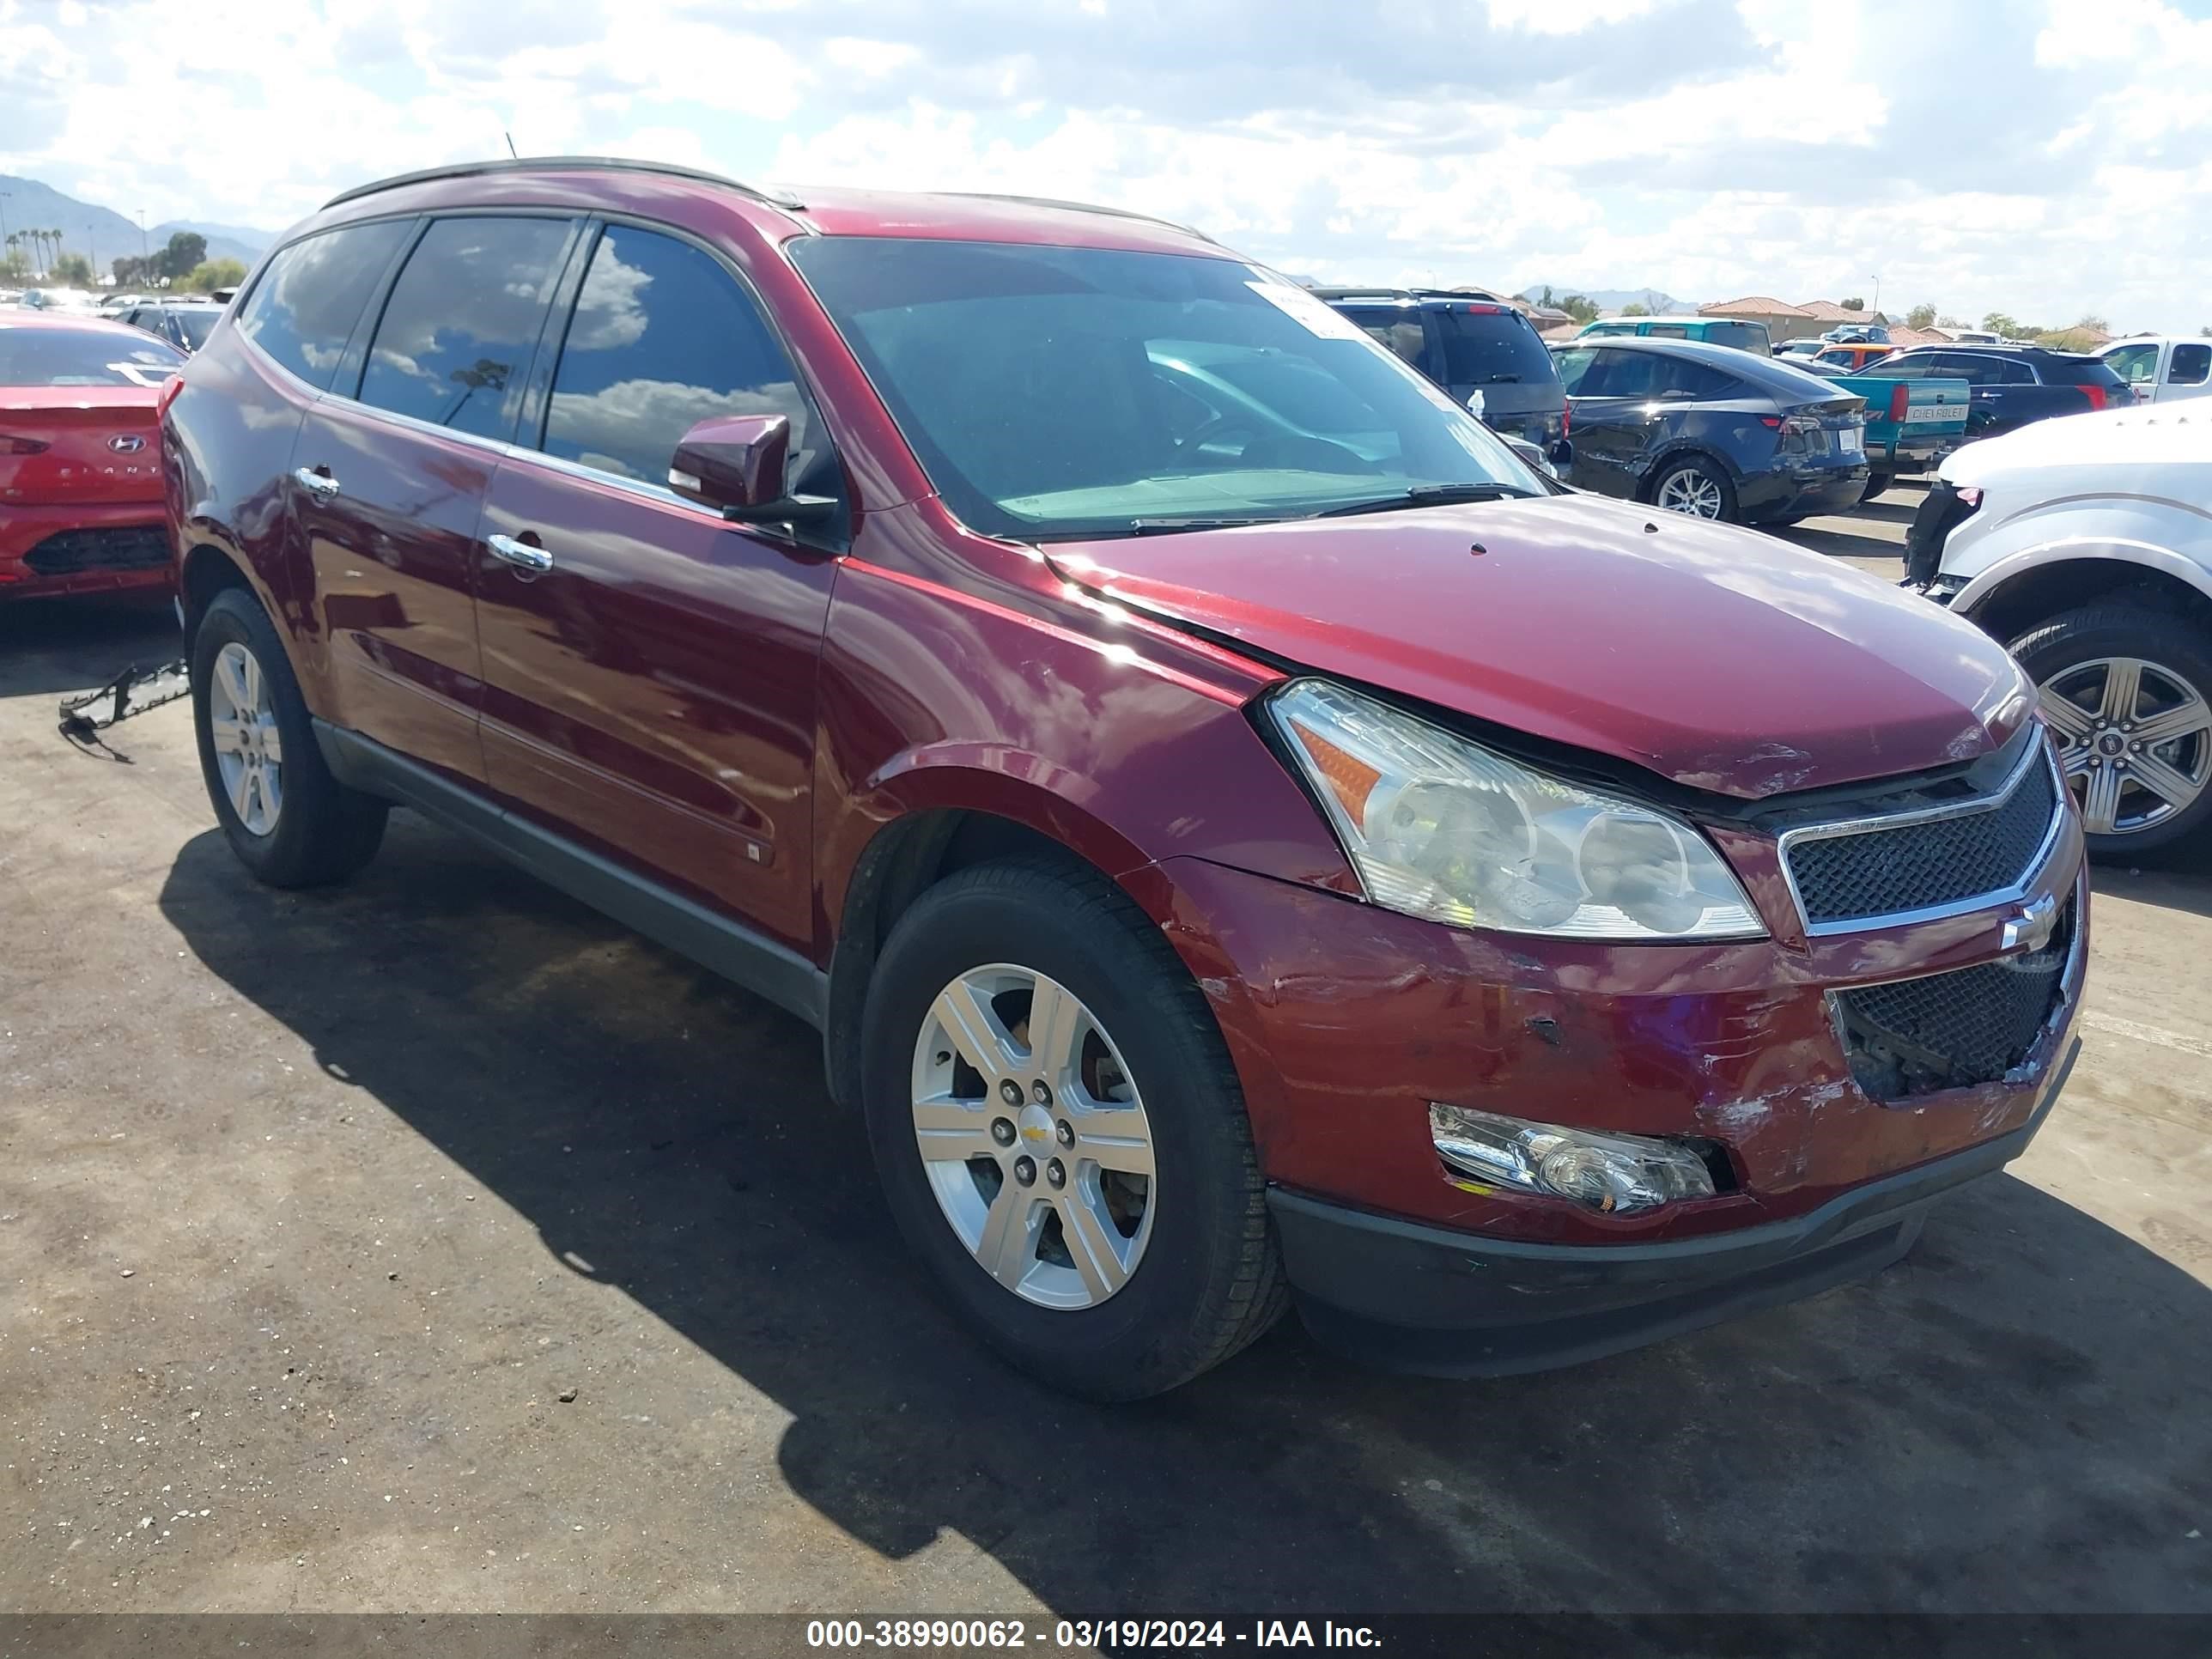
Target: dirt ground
point(433, 1244)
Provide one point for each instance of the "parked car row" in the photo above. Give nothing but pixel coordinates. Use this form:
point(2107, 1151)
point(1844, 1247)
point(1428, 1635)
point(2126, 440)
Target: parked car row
point(1246, 837)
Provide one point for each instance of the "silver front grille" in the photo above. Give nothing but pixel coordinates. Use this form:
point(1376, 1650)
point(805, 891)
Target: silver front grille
point(1937, 861)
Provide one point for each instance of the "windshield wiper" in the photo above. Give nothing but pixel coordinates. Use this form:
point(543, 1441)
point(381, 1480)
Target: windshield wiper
point(1430, 495)
point(1176, 526)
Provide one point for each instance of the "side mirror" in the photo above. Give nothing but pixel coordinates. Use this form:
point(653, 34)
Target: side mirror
point(735, 464)
point(1561, 455)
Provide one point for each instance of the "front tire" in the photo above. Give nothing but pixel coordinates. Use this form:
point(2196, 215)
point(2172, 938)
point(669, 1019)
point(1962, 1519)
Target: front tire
point(289, 820)
point(1082, 1185)
point(1876, 484)
point(1696, 487)
point(2128, 694)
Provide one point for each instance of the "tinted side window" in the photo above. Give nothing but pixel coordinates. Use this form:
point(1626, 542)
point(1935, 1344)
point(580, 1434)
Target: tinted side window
point(1490, 346)
point(2191, 365)
point(1683, 378)
point(1574, 365)
point(1668, 332)
point(1398, 327)
point(1744, 337)
point(1905, 367)
point(303, 310)
point(1976, 370)
point(454, 341)
point(663, 339)
point(1623, 375)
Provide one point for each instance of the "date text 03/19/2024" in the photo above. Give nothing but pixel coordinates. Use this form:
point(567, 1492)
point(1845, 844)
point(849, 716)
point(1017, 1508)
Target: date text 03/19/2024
point(1079, 1634)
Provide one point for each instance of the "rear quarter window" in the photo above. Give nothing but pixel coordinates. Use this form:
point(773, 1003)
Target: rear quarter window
point(1744, 337)
point(303, 309)
point(1399, 329)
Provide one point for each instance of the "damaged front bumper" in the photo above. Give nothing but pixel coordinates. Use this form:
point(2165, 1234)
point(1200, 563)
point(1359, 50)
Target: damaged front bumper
point(1447, 1304)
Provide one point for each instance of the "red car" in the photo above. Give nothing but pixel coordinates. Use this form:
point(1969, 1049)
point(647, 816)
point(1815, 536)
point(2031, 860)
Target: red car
point(1243, 834)
point(79, 459)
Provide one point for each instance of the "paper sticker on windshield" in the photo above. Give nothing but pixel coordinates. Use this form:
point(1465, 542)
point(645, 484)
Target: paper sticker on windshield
point(1317, 317)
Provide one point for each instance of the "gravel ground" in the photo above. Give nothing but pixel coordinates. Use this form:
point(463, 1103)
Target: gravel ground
point(433, 1244)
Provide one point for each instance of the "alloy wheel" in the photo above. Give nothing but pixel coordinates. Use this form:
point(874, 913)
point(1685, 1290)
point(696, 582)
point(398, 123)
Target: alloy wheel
point(1033, 1136)
point(1692, 490)
point(2135, 739)
point(248, 750)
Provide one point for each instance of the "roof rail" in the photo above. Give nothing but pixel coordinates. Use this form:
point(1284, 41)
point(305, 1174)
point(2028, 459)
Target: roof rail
point(782, 198)
point(1076, 206)
point(1380, 291)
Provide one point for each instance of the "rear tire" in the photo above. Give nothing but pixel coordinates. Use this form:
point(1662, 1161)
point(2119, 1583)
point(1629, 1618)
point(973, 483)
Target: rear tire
point(1876, 484)
point(2142, 673)
point(1197, 1274)
point(291, 823)
point(1692, 486)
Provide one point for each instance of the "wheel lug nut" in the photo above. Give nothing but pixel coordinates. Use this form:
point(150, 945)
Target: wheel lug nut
point(1055, 1173)
point(1026, 1170)
point(1040, 1093)
point(1010, 1092)
point(1002, 1131)
point(1066, 1131)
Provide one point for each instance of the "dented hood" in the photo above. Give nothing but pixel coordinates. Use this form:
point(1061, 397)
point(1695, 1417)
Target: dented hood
point(1721, 658)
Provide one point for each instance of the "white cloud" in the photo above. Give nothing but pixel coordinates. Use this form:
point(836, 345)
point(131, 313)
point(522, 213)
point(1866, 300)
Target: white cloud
point(2041, 157)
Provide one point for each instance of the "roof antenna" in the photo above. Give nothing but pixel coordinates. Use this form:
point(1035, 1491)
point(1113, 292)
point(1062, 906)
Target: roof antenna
point(510, 146)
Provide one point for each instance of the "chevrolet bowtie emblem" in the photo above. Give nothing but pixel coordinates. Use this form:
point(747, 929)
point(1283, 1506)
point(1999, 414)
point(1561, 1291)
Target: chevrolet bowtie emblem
point(2028, 928)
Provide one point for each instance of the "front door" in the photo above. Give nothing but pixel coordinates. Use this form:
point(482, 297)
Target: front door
point(391, 480)
point(1615, 415)
point(649, 668)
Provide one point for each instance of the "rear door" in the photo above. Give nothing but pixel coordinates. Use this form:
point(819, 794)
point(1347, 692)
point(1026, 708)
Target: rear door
point(2004, 391)
point(650, 691)
point(390, 472)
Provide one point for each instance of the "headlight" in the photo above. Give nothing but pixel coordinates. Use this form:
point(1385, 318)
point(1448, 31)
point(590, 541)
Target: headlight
point(1615, 1174)
point(1441, 828)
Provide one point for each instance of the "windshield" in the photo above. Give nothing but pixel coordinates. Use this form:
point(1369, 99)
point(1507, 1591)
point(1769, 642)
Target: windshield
point(1058, 392)
point(99, 356)
point(196, 325)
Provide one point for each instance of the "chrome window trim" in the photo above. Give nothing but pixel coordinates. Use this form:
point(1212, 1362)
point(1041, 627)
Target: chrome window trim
point(2040, 749)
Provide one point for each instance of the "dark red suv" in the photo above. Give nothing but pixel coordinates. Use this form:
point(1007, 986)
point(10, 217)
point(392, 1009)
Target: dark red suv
point(1243, 837)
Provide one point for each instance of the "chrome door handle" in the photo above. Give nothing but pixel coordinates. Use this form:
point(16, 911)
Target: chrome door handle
point(320, 485)
point(521, 554)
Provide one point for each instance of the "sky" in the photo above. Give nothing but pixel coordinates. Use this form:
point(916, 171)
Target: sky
point(2051, 159)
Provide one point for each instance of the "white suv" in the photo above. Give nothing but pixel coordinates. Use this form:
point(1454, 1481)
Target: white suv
point(2085, 545)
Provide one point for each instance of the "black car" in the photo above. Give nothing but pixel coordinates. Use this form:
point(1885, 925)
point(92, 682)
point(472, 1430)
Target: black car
point(2014, 385)
point(1711, 431)
point(182, 324)
point(1470, 343)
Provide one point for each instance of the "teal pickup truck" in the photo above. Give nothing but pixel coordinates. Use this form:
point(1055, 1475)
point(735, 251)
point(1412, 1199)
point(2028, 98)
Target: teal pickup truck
point(1914, 419)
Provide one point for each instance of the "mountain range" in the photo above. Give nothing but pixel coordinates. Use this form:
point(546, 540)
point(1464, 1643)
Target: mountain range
point(101, 234)
point(1657, 300)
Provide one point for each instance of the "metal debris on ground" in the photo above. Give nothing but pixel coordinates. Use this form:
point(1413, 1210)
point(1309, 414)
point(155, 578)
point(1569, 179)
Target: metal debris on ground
point(139, 688)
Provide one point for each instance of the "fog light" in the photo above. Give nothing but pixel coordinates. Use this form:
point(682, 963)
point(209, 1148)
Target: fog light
point(1618, 1174)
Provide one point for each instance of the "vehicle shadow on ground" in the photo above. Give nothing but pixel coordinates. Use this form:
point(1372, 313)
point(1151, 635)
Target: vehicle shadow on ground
point(2012, 1418)
point(74, 644)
